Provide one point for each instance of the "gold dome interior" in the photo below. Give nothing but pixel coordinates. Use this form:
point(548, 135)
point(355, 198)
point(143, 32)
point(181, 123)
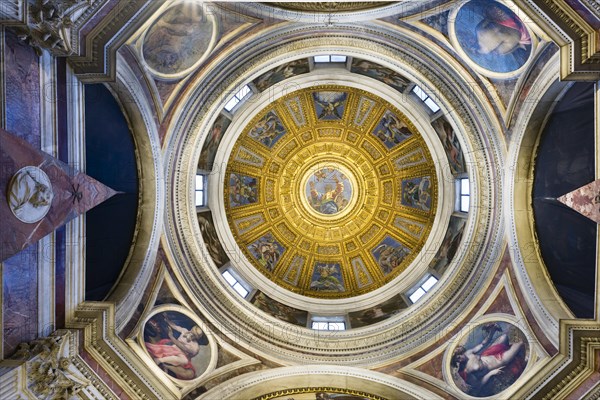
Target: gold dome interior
point(330, 192)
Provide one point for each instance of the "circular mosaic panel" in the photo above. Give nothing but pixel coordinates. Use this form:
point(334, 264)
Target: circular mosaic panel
point(330, 192)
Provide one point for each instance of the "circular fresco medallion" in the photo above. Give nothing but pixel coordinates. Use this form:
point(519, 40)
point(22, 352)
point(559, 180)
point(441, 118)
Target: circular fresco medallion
point(179, 40)
point(489, 359)
point(177, 345)
point(492, 36)
point(330, 192)
point(30, 194)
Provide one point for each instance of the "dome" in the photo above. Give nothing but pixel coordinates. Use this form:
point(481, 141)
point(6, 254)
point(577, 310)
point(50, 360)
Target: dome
point(330, 192)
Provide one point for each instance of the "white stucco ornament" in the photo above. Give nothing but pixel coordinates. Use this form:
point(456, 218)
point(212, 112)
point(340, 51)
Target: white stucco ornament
point(30, 194)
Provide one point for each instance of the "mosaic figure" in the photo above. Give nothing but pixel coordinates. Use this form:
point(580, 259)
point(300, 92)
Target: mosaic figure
point(178, 39)
point(177, 345)
point(328, 191)
point(416, 193)
point(211, 144)
point(327, 277)
point(493, 36)
point(268, 130)
point(280, 73)
point(267, 251)
point(211, 240)
point(279, 310)
point(391, 130)
point(389, 254)
point(382, 74)
point(242, 190)
point(451, 145)
point(449, 245)
point(330, 105)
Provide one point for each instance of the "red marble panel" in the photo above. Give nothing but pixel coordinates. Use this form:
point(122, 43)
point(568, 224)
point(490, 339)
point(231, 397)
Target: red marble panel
point(433, 367)
point(103, 375)
point(585, 200)
point(501, 304)
point(15, 154)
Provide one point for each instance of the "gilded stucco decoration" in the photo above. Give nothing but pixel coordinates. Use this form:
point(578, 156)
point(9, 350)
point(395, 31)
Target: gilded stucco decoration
point(330, 6)
point(346, 185)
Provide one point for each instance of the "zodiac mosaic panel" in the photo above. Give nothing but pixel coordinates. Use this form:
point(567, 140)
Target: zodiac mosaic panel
point(327, 277)
point(416, 193)
point(391, 131)
point(389, 254)
point(268, 130)
point(243, 190)
point(267, 251)
point(330, 105)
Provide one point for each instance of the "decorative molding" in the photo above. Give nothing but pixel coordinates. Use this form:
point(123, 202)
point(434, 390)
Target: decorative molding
point(579, 42)
point(578, 360)
point(113, 355)
point(13, 12)
point(50, 368)
point(96, 60)
point(265, 383)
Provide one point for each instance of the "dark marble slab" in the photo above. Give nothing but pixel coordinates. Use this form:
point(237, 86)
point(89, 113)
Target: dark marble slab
point(22, 89)
point(15, 153)
point(20, 299)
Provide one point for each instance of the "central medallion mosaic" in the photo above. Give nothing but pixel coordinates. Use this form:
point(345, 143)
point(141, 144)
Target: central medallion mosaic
point(328, 190)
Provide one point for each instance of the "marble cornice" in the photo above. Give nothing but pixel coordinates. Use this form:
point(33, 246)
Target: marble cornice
point(578, 40)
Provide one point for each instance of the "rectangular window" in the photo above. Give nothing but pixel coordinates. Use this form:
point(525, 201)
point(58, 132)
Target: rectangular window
point(328, 325)
point(330, 59)
point(432, 105)
point(417, 295)
point(200, 190)
point(428, 101)
point(465, 194)
point(423, 288)
point(238, 97)
point(322, 59)
point(235, 284)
